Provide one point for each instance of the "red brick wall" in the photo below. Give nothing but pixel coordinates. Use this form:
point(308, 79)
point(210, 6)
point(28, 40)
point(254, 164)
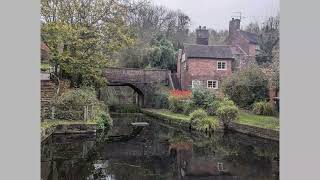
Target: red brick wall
point(203, 69)
point(238, 40)
point(252, 49)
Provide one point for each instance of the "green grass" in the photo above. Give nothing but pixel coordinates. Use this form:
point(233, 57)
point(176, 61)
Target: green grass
point(268, 122)
point(172, 115)
point(51, 123)
point(45, 67)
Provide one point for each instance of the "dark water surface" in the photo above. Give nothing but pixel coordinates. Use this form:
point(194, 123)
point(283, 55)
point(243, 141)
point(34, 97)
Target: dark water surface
point(157, 152)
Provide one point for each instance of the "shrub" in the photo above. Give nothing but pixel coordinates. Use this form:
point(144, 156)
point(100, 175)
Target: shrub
point(263, 108)
point(188, 107)
point(161, 101)
point(246, 86)
point(227, 114)
point(212, 108)
point(176, 105)
point(207, 124)
point(103, 120)
point(68, 115)
point(75, 99)
point(196, 116)
point(202, 97)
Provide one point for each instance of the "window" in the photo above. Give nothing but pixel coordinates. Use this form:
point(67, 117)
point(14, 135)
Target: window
point(212, 84)
point(196, 84)
point(222, 65)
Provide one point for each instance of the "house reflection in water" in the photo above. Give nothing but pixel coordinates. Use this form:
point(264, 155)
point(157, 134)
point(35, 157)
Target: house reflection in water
point(190, 168)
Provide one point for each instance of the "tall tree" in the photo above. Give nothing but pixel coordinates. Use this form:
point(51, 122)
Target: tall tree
point(268, 40)
point(83, 35)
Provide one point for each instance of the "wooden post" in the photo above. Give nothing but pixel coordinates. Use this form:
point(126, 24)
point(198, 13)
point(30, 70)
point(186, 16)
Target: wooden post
point(92, 113)
point(84, 113)
point(52, 112)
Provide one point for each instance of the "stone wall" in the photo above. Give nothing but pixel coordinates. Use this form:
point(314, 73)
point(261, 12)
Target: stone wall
point(255, 131)
point(75, 128)
point(48, 90)
point(136, 75)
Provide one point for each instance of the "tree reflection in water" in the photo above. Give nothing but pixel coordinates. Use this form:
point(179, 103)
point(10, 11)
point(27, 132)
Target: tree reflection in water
point(158, 152)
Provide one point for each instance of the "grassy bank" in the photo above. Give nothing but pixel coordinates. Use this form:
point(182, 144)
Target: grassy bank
point(267, 122)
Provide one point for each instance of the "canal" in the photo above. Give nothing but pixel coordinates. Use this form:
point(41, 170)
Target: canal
point(158, 152)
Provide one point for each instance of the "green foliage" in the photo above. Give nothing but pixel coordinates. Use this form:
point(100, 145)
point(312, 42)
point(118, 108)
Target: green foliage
point(189, 107)
point(263, 108)
point(213, 107)
point(202, 97)
point(207, 124)
point(176, 105)
point(68, 114)
point(124, 108)
point(103, 120)
point(196, 116)
point(75, 99)
point(45, 67)
point(246, 86)
point(227, 114)
point(84, 37)
point(161, 100)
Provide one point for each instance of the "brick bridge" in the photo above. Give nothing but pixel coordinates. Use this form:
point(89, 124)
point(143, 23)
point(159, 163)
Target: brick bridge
point(143, 81)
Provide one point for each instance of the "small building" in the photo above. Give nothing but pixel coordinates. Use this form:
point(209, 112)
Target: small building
point(207, 65)
point(201, 65)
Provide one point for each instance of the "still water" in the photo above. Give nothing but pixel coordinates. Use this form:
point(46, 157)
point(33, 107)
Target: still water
point(158, 152)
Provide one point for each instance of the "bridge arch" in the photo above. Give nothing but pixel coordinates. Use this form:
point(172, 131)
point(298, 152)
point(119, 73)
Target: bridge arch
point(141, 81)
point(140, 94)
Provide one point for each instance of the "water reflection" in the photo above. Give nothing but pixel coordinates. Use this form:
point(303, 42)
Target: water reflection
point(158, 152)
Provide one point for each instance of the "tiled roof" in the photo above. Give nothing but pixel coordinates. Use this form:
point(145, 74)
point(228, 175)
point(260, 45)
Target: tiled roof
point(251, 37)
point(204, 51)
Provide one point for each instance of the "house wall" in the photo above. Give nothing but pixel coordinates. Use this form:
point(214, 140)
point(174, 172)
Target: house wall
point(252, 49)
point(203, 70)
point(238, 40)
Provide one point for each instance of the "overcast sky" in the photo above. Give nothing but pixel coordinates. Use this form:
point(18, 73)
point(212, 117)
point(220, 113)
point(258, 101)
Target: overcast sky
point(217, 13)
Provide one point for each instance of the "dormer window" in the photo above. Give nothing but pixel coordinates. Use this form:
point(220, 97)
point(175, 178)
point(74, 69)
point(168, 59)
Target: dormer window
point(222, 65)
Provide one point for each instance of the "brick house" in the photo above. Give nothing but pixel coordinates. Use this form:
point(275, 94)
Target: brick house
point(206, 65)
point(244, 44)
point(203, 65)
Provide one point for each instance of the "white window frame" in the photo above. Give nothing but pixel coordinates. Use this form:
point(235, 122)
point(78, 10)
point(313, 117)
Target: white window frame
point(225, 67)
point(193, 84)
point(212, 83)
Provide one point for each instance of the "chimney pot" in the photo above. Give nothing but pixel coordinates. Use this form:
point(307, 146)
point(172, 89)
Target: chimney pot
point(202, 35)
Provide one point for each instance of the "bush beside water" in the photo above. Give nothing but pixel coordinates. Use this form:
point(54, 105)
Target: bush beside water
point(263, 108)
point(70, 106)
point(227, 113)
point(200, 121)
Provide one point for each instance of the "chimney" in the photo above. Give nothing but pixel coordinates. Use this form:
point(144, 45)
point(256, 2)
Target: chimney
point(202, 35)
point(234, 26)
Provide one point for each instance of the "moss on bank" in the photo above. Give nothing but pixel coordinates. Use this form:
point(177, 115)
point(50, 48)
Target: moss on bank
point(267, 122)
point(46, 124)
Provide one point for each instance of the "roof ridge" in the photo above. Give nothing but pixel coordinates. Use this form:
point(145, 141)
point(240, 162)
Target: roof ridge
point(208, 45)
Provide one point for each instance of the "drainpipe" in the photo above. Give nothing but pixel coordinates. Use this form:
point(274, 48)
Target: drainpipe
point(170, 80)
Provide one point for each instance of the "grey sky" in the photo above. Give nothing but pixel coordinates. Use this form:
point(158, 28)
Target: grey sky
point(217, 13)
